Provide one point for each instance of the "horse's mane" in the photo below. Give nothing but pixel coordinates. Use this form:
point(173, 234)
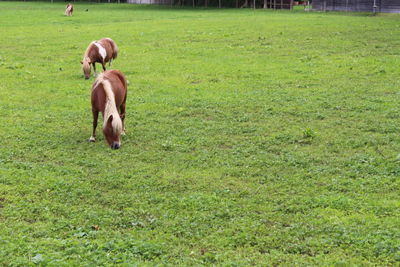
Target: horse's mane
point(87, 50)
point(110, 107)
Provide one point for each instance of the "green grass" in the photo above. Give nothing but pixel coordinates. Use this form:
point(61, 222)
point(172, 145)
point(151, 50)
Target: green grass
point(253, 138)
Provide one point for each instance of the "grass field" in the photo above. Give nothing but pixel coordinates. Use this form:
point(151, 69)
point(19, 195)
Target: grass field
point(253, 138)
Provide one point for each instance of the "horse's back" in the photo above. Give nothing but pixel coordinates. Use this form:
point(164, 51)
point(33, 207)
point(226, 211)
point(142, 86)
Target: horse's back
point(118, 75)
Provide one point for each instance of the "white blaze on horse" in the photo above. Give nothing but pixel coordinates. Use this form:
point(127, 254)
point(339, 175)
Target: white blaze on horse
point(68, 10)
point(109, 97)
point(101, 51)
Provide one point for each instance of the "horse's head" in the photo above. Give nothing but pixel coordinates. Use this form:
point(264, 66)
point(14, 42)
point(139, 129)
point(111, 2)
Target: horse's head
point(86, 67)
point(112, 130)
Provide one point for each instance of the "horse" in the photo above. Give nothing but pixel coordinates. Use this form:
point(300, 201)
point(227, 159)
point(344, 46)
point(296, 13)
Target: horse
point(69, 9)
point(109, 93)
point(101, 51)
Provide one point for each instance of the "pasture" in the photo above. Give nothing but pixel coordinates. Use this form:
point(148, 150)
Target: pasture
point(253, 138)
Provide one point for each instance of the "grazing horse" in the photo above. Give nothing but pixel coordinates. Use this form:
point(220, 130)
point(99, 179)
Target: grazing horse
point(101, 51)
point(109, 96)
point(69, 9)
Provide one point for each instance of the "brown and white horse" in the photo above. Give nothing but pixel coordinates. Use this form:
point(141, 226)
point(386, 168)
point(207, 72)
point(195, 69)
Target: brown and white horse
point(69, 9)
point(109, 96)
point(101, 51)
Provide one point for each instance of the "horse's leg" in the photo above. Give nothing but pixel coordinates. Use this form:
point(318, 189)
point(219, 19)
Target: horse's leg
point(109, 63)
point(122, 115)
point(94, 68)
point(95, 116)
point(104, 66)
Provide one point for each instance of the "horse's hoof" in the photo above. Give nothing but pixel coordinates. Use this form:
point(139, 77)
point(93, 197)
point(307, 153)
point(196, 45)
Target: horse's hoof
point(92, 139)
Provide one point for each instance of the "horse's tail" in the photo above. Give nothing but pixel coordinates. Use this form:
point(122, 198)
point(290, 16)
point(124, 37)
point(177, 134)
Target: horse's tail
point(114, 47)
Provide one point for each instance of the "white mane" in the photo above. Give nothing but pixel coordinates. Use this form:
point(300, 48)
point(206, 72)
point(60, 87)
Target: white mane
point(85, 56)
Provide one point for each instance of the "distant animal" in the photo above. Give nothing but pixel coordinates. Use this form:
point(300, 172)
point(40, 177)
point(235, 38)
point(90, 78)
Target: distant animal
point(101, 51)
point(109, 93)
point(69, 9)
